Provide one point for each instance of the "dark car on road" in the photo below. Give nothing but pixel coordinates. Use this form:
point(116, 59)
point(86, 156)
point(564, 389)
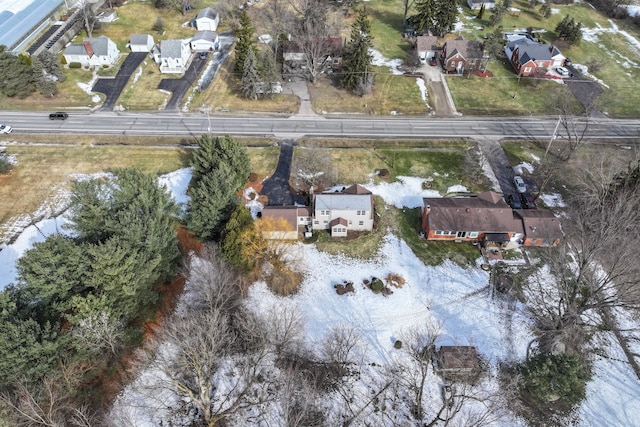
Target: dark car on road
point(58, 116)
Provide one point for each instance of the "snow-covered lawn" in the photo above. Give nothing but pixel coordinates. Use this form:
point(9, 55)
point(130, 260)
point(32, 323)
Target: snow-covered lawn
point(456, 299)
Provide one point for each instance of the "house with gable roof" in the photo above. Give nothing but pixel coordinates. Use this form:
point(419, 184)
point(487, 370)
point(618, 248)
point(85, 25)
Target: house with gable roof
point(341, 212)
point(92, 52)
point(463, 56)
point(426, 47)
point(207, 20)
point(172, 56)
point(541, 227)
point(204, 41)
point(530, 58)
point(141, 42)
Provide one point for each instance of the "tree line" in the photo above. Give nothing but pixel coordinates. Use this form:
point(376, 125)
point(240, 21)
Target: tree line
point(21, 75)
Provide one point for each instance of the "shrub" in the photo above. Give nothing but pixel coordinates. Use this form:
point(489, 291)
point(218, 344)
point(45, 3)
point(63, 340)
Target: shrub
point(75, 65)
point(284, 282)
point(549, 378)
point(5, 163)
point(397, 344)
point(395, 280)
point(253, 177)
point(377, 285)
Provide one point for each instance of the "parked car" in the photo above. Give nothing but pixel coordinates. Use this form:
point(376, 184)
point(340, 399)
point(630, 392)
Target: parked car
point(528, 201)
point(518, 182)
point(203, 55)
point(562, 71)
point(514, 202)
point(423, 59)
point(567, 61)
point(433, 61)
point(59, 115)
point(5, 128)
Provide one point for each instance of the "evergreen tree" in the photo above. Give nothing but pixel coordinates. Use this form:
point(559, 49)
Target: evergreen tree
point(570, 30)
point(496, 15)
point(268, 73)
point(232, 244)
point(356, 65)
point(481, 12)
point(51, 273)
point(16, 76)
point(220, 169)
point(445, 16)
point(245, 34)
point(423, 19)
point(250, 76)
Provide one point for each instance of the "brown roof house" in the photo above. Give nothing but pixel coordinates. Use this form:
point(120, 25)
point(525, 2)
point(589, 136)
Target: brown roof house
point(286, 221)
point(463, 56)
point(426, 47)
point(541, 227)
point(485, 217)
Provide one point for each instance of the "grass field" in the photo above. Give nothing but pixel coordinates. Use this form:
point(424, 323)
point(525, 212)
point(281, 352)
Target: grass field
point(143, 94)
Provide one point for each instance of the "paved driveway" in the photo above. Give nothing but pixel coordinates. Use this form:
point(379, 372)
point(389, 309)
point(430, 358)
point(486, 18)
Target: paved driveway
point(277, 188)
point(113, 87)
point(585, 90)
point(436, 84)
point(179, 87)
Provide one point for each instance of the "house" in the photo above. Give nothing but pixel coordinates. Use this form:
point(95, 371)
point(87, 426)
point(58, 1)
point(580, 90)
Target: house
point(426, 47)
point(107, 16)
point(477, 4)
point(341, 212)
point(485, 217)
point(327, 52)
point(204, 41)
point(541, 227)
point(287, 221)
point(207, 20)
point(141, 42)
point(463, 56)
point(530, 58)
point(92, 52)
point(456, 359)
point(172, 56)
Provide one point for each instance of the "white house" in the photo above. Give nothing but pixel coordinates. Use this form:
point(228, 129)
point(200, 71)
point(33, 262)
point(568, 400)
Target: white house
point(207, 20)
point(349, 210)
point(477, 4)
point(172, 56)
point(92, 52)
point(141, 42)
point(204, 41)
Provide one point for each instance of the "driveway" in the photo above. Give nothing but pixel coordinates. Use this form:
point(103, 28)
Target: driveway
point(277, 188)
point(437, 85)
point(113, 87)
point(585, 90)
point(179, 87)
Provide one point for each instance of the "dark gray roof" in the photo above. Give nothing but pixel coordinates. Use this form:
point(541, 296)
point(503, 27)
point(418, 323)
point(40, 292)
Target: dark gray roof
point(535, 51)
point(210, 36)
point(207, 12)
point(14, 27)
point(140, 39)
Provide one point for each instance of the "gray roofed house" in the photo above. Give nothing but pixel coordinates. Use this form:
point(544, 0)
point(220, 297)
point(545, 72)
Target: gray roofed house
point(204, 41)
point(172, 56)
point(92, 52)
point(207, 19)
point(141, 42)
point(339, 212)
point(528, 57)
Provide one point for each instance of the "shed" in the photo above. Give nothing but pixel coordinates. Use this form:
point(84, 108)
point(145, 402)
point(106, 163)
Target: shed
point(141, 42)
point(458, 359)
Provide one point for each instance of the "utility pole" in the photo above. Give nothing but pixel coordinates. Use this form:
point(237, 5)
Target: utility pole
point(553, 137)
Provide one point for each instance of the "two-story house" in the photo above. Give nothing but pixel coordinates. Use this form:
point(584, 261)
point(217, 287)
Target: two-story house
point(340, 212)
point(92, 52)
point(530, 58)
point(172, 56)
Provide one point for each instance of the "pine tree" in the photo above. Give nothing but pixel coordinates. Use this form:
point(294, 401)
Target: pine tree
point(356, 69)
point(445, 16)
point(220, 169)
point(268, 73)
point(245, 34)
point(423, 19)
point(250, 76)
point(232, 239)
point(481, 12)
point(16, 75)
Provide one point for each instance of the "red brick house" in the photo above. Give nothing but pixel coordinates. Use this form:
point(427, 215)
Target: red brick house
point(463, 56)
point(485, 217)
point(530, 58)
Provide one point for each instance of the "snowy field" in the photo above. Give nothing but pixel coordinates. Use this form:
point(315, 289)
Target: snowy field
point(456, 300)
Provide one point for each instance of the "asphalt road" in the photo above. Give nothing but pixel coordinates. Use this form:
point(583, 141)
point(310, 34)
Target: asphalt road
point(619, 131)
point(113, 87)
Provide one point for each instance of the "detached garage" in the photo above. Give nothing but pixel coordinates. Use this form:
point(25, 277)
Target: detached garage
point(204, 41)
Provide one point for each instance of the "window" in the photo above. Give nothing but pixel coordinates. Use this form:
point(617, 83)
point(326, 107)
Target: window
point(301, 219)
point(350, 222)
point(316, 222)
point(473, 234)
point(324, 213)
point(325, 221)
point(527, 69)
point(361, 223)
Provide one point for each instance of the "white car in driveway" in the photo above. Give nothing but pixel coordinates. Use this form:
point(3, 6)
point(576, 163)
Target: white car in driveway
point(5, 129)
point(519, 183)
point(562, 71)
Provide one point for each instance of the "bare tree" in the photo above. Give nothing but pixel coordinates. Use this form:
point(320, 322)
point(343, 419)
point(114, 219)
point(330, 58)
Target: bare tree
point(406, 6)
point(88, 12)
point(572, 127)
point(595, 269)
point(313, 166)
point(278, 20)
point(98, 332)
